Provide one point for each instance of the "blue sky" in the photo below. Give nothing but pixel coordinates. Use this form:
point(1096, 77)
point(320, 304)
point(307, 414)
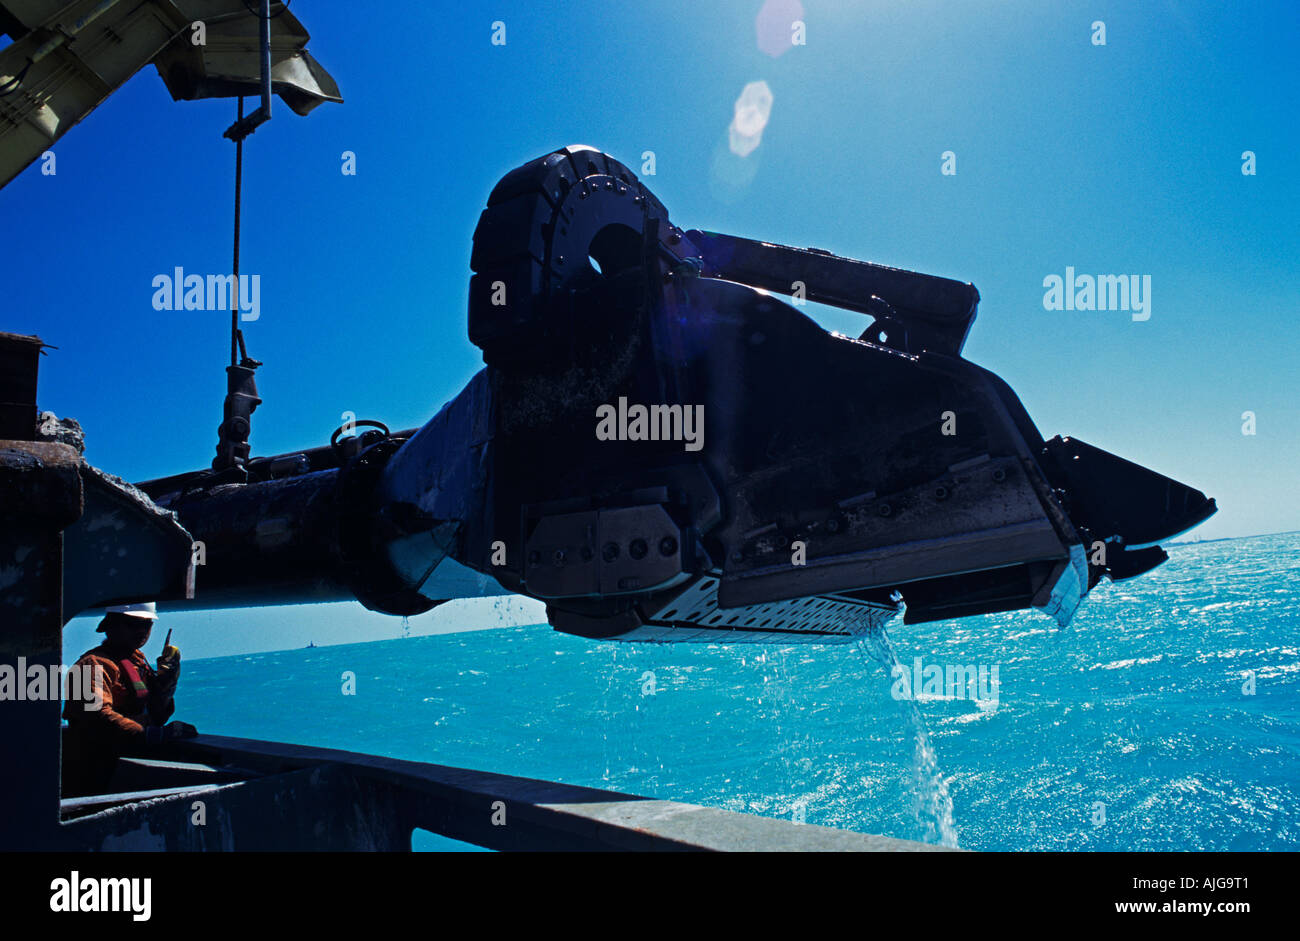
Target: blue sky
point(1115, 159)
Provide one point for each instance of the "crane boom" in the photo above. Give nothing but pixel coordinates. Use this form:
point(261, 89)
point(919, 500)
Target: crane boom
point(67, 58)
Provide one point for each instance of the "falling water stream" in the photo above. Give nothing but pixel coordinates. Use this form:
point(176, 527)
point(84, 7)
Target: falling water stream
point(932, 804)
point(605, 713)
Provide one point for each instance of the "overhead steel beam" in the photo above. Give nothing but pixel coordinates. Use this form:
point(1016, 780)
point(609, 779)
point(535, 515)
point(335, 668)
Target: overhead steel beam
point(67, 58)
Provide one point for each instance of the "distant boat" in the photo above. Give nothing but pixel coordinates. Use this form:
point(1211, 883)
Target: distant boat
point(310, 646)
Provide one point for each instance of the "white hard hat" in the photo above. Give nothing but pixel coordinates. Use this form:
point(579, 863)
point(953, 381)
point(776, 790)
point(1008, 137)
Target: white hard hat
point(146, 610)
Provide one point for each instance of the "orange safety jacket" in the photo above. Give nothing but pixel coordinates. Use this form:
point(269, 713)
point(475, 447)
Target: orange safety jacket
point(131, 700)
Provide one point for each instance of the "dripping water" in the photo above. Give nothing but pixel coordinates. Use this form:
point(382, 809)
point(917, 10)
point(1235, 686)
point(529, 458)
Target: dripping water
point(932, 804)
point(606, 716)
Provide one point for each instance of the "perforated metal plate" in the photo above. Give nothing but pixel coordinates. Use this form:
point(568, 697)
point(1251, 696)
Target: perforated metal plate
point(694, 617)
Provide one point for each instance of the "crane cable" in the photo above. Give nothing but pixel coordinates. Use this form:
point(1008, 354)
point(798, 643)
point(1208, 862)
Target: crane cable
point(237, 350)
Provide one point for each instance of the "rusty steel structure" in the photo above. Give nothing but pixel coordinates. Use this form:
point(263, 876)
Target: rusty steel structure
point(835, 479)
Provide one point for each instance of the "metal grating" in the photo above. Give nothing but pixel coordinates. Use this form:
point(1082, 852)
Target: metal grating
point(694, 617)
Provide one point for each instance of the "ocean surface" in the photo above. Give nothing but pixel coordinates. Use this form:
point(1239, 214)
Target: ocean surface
point(1165, 717)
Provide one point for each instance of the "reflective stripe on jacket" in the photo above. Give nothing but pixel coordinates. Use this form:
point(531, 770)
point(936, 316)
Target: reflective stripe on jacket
point(124, 712)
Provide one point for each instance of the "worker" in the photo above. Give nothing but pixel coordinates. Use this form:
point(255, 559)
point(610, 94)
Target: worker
point(134, 702)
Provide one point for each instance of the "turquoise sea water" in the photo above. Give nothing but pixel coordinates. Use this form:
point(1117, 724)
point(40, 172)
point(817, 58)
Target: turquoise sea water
point(1133, 729)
